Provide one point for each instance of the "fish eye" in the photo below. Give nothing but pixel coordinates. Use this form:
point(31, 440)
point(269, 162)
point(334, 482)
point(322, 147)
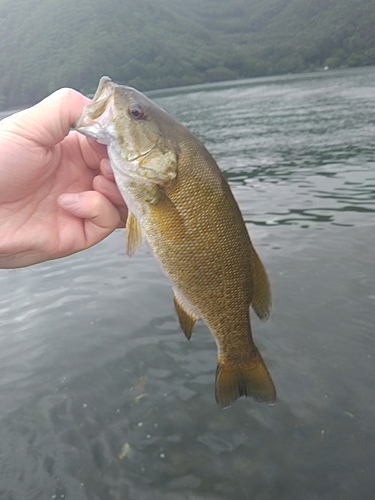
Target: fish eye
point(137, 112)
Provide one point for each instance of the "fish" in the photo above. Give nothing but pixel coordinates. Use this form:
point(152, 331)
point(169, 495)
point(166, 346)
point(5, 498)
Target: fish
point(180, 203)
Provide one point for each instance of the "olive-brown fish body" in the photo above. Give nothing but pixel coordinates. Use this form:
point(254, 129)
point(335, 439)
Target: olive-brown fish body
point(180, 202)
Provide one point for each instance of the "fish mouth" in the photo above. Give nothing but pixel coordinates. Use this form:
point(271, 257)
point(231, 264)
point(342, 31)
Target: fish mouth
point(95, 128)
point(101, 99)
point(91, 113)
point(88, 123)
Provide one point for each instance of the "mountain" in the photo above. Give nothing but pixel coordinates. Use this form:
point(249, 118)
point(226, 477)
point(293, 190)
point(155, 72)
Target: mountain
point(149, 44)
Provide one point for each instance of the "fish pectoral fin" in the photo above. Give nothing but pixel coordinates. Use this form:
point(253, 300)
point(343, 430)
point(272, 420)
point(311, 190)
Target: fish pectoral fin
point(186, 317)
point(237, 379)
point(154, 194)
point(261, 301)
point(134, 236)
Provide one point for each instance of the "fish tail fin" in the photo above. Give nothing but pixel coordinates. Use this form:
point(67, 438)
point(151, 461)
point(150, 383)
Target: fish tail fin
point(245, 378)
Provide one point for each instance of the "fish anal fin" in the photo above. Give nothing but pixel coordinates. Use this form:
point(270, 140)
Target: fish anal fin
point(186, 316)
point(237, 379)
point(133, 235)
point(261, 301)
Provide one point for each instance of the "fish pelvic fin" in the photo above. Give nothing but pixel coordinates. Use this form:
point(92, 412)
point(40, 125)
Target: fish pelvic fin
point(261, 301)
point(134, 236)
point(237, 379)
point(186, 316)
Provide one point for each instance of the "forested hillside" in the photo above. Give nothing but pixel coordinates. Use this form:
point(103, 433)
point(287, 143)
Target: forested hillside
point(47, 44)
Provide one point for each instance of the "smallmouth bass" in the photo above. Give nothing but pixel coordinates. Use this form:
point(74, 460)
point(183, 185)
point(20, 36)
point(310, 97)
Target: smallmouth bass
point(180, 202)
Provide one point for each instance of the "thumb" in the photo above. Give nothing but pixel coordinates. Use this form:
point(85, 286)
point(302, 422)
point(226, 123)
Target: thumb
point(50, 121)
point(100, 217)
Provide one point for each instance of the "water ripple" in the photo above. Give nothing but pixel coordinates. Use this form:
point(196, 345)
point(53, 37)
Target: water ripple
point(102, 397)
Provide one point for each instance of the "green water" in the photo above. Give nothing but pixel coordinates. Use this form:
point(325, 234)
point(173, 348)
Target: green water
point(93, 365)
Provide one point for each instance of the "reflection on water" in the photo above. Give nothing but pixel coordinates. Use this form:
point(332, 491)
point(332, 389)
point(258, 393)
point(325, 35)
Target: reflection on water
point(311, 137)
point(101, 396)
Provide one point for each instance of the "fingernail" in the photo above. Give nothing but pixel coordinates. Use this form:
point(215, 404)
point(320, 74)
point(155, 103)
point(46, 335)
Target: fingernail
point(111, 185)
point(106, 167)
point(68, 199)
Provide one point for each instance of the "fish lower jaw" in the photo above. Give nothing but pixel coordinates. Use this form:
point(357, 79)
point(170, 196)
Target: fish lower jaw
point(130, 176)
point(95, 131)
point(132, 170)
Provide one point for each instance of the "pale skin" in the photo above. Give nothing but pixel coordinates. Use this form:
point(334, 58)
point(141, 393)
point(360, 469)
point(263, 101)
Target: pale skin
point(57, 191)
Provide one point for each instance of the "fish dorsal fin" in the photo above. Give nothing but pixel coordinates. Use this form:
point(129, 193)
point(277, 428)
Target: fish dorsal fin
point(261, 302)
point(186, 316)
point(133, 235)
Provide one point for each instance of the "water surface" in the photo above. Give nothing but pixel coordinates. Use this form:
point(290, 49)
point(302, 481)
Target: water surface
point(101, 396)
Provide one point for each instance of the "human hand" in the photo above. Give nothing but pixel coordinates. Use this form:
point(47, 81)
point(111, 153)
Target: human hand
point(57, 193)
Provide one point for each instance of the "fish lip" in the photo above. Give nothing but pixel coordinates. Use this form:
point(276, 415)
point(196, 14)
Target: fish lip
point(105, 82)
point(82, 123)
point(89, 128)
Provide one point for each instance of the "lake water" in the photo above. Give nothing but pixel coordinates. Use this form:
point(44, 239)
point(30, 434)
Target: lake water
point(103, 398)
